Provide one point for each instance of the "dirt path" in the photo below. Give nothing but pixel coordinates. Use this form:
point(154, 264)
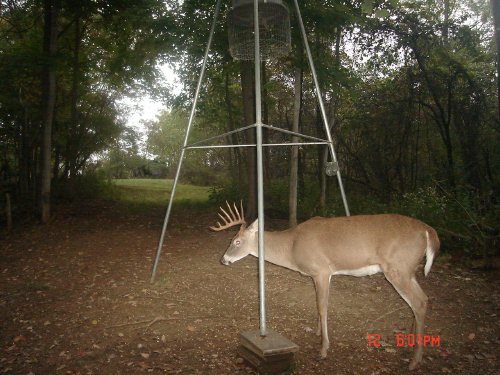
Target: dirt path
point(75, 298)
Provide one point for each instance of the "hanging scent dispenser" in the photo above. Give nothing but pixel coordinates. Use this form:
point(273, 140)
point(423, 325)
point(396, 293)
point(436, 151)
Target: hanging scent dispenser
point(274, 29)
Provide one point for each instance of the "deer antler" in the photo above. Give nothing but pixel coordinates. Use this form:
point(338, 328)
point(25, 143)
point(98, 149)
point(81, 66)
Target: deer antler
point(230, 219)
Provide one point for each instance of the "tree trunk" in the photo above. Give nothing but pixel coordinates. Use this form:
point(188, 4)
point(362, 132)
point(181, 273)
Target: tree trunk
point(74, 126)
point(446, 20)
point(323, 180)
point(27, 153)
point(294, 157)
point(441, 113)
point(248, 92)
point(265, 131)
point(495, 7)
point(48, 104)
point(57, 162)
point(26, 169)
point(333, 109)
point(235, 163)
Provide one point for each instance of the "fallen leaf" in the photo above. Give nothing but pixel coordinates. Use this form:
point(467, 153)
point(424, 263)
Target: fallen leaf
point(191, 328)
point(143, 365)
point(19, 338)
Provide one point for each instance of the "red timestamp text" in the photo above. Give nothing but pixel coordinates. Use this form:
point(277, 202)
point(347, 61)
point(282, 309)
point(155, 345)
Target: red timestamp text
point(409, 340)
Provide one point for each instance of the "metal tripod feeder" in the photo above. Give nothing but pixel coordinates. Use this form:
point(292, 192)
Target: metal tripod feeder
point(274, 29)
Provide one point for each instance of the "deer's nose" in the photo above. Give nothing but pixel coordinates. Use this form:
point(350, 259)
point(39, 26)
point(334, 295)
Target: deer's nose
point(224, 261)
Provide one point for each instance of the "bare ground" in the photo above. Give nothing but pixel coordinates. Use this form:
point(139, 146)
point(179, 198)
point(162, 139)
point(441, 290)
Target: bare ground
point(75, 298)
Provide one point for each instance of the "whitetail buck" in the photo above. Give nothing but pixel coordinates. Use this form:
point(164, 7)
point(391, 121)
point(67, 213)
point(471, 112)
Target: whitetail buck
point(355, 245)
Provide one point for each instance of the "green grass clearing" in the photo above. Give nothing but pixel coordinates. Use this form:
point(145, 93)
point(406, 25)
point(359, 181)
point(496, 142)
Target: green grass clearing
point(155, 192)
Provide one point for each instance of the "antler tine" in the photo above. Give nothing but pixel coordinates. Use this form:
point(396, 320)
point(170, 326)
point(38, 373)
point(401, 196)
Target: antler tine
point(230, 219)
point(233, 215)
point(242, 211)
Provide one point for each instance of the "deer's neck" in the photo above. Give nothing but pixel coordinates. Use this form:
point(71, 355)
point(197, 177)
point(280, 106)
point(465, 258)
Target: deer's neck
point(277, 248)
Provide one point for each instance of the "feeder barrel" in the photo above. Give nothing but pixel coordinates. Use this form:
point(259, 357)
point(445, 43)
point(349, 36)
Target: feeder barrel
point(274, 29)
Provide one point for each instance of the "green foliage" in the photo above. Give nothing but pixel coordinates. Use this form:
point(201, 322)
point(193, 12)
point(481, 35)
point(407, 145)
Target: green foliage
point(427, 204)
point(411, 95)
point(463, 218)
point(165, 138)
point(218, 195)
point(104, 51)
point(471, 222)
point(83, 187)
point(276, 199)
point(124, 160)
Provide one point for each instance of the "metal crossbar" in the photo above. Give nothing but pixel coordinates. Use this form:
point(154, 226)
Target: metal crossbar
point(199, 144)
point(254, 145)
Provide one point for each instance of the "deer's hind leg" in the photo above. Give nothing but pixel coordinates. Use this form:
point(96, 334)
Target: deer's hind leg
point(409, 289)
point(322, 285)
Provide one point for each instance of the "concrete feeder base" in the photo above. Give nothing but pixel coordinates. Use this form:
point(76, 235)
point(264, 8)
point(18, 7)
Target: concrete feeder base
point(271, 354)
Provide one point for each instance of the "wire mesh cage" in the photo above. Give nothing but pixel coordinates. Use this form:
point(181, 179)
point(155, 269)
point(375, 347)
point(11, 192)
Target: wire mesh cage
point(274, 29)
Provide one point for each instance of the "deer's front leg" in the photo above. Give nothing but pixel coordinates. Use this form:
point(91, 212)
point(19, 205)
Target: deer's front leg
point(318, 330)
point(322, 285)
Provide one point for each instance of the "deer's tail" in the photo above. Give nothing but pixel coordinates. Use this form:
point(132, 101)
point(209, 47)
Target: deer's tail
point(432, 249)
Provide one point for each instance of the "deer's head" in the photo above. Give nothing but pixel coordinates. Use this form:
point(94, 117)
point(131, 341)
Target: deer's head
point(244, 242)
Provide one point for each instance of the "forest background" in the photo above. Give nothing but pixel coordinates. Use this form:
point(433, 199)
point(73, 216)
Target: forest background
point(411, 90)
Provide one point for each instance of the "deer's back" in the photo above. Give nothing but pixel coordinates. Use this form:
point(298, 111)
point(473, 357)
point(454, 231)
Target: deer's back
point(355, 241)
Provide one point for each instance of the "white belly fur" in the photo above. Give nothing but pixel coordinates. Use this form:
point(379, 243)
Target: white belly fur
point(359, 272)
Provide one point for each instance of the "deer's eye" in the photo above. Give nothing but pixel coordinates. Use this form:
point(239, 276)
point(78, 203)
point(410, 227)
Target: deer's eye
point(237, 242)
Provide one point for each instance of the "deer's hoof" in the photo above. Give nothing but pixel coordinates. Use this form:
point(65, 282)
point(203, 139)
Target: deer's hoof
point(414, 364)
point(323, 353)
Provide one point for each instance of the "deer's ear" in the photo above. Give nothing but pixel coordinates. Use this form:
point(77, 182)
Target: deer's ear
point(254, 227)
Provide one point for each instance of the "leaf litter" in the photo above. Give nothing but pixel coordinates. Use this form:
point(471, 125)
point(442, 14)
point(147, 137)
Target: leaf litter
point(75, 298)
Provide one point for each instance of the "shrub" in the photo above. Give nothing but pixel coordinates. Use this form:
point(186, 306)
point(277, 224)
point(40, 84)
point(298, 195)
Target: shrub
point(88, 186)
point(465, 220)
point(426, 204)
point(218, 195)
